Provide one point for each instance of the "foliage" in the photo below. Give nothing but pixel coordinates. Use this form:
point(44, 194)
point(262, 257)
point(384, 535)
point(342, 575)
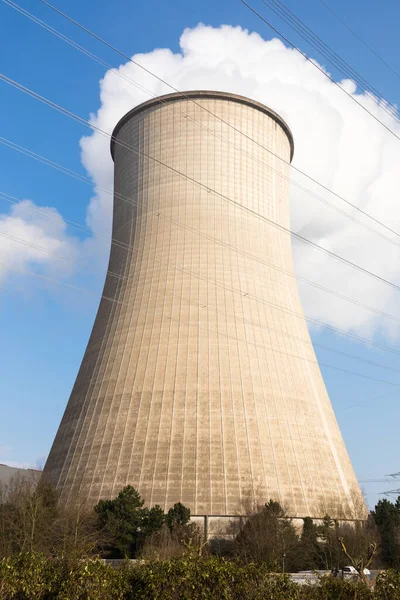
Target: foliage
point(357, 538)
point(28, 508)
point(32, 576)
point(194, 578)
point(90, 580)
point(28, 576)
point(331, 588)
point(268, 536)
point(179, 514)
point(387, 518)
point(388, 586)
point(127, 522)
point(308, 547)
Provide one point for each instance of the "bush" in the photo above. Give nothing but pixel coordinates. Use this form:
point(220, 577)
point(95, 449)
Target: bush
point(35, 577)
point(210, 578)
point(388, 586)
point(26, 577)
point(90, 580)
point(331, 588)
point(268, 536)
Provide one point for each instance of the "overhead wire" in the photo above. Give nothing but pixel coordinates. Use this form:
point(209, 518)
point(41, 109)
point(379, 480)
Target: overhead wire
point(201, 185)
point(272, 349)
point(106, 64)
point(216, 284)
point(251, 211)
point(320, 69)
point(202, 107)
point(286, 230)
point(63, 37)
point(291, 19)
point(259, 215)
point(360, 39)
point(88, 181)
point(54, 253)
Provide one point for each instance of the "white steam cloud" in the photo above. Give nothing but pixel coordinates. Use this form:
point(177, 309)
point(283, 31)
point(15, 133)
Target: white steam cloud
point(35, 239)
point(336, 143)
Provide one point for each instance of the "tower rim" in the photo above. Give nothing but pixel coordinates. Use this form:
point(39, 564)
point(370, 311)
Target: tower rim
point(203, 94)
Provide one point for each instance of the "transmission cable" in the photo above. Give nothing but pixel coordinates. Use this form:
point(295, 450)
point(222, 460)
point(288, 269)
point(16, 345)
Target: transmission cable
point(266, 165)
point(217, 241)
point(55, 253)
point(216, 284)
point(289, 17)
point(230, 337)
point(209, 190)
point(117, 72)
point(351, 96)
point(360, 39)
point(201, 185)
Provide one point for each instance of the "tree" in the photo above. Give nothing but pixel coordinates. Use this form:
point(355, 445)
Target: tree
point(308, 546)
point(153, 519)
point(268, 536)
point(127, 523)
point(387, 518)
point(179, 514)
point(28, 509)
point(346, 543)
point(75, 533)
point(361, 561)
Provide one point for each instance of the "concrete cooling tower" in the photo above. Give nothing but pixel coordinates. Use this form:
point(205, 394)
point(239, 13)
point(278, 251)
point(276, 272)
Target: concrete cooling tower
point(199, 383)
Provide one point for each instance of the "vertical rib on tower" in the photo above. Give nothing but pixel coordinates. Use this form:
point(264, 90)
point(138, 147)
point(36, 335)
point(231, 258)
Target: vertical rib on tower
point(199, 383)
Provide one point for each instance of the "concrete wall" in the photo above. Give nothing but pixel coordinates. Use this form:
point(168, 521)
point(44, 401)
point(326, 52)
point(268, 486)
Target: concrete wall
point(9, 473)
point(199, 383)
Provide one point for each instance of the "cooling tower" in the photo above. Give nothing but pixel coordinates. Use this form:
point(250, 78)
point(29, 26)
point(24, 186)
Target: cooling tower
point(199, 383)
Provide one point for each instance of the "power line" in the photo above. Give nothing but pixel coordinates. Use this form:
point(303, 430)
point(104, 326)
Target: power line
point(273, 350)
point(253, 324)
point(79, 119)
point(281, 175)
point(217, 284)
point(374, 481)
point(318, 44)
point(381, 397)
point(351, 96)
point(388, 315)
point(129, 200)
point(395, 492)
point(360, 39)
point(203, 278)
point(330, 366)
point(51, 217)
point(203, 186)
point(54, 253)
point(118, 73)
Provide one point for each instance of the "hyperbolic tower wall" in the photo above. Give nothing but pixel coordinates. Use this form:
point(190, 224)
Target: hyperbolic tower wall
point(199, 383)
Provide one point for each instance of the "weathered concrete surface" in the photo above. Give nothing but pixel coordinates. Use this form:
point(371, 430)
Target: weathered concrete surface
point(199, 383)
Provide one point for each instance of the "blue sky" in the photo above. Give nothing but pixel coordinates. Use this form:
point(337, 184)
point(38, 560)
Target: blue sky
point(44, 326)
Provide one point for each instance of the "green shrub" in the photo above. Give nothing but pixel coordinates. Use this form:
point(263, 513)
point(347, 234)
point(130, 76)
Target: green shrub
point(332, 588)
point(35, 577)
point(189, 578)
point(90, 580)
point(387, 586)
point(27, 576)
